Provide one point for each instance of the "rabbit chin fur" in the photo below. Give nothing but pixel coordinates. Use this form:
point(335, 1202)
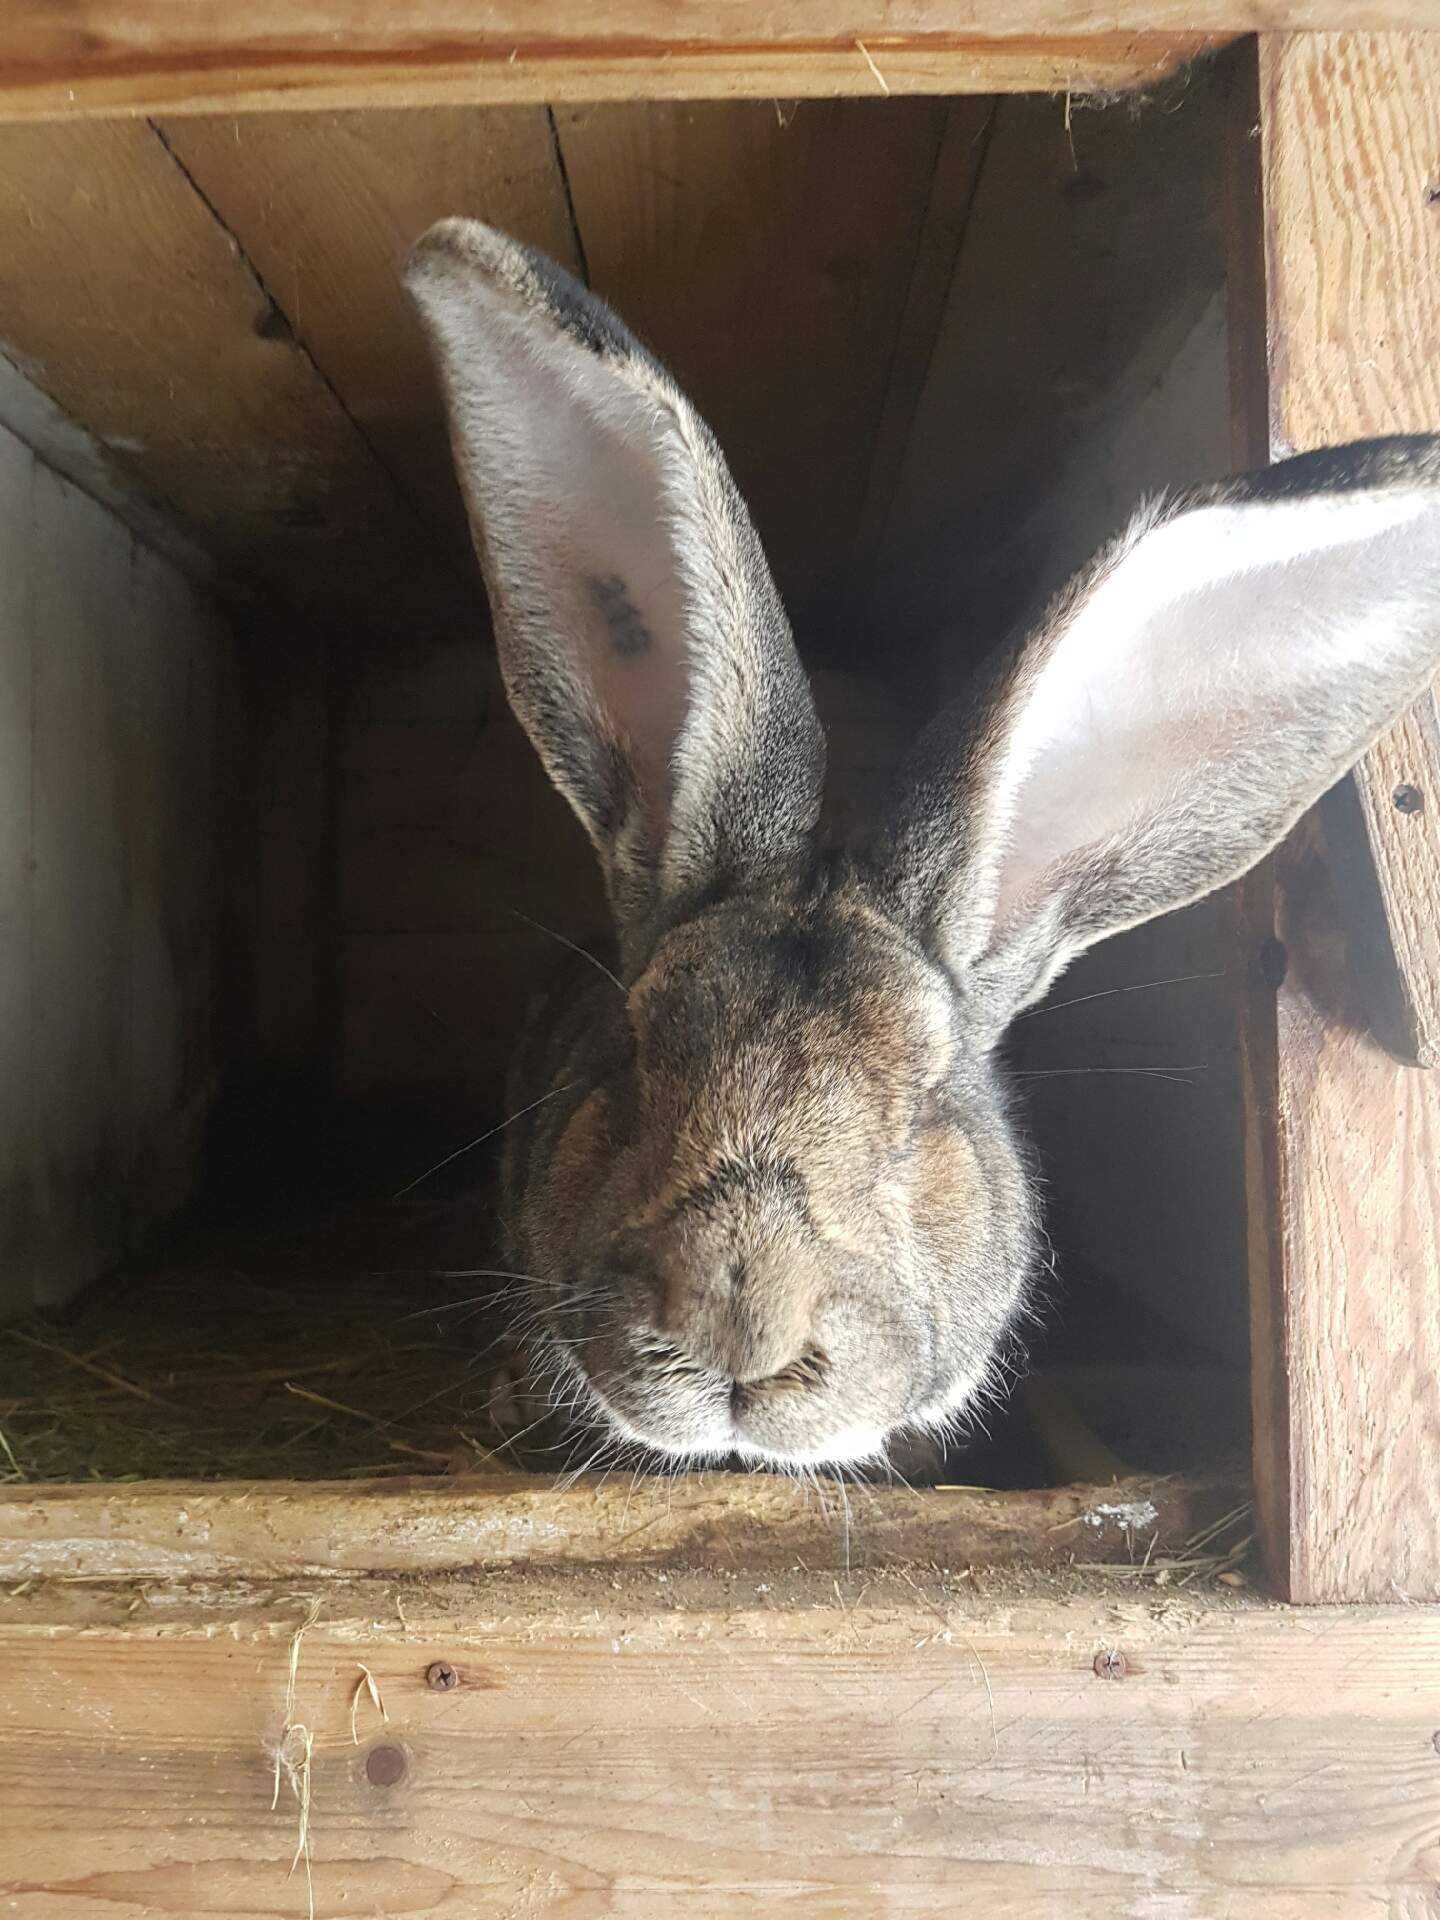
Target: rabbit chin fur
point(764, 1184)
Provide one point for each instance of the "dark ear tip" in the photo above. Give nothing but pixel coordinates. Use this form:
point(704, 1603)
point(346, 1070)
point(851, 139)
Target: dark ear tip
point(458, 250)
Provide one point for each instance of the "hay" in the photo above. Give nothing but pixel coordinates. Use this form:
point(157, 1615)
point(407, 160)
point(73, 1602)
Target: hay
point(369, 1346)
point(294, 1759)
point(1216, 1552)
point(254, 1360)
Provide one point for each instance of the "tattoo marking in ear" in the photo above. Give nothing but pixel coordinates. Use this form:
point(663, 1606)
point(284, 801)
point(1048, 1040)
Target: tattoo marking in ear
point(629, 634)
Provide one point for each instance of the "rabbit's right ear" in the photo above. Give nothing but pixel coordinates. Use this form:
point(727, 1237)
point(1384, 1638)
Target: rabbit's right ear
point(1219, 667)
point(641, 637)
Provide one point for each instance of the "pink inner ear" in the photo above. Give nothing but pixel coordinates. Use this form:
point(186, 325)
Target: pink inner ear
point(638, 666)
point(1230, 666)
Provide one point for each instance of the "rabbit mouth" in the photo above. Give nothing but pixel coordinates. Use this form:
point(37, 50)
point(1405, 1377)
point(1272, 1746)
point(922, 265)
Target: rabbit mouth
point(675, 1405)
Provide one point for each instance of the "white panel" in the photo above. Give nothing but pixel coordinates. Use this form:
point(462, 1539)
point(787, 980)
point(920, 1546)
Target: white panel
point(17, 468)
point(81, 610)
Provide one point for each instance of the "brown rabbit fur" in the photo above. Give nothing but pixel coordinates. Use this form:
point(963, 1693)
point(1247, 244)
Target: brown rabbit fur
point(764, 1185)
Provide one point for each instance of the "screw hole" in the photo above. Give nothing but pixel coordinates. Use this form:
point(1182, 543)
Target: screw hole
point(385, 1766)
point(1409, 799)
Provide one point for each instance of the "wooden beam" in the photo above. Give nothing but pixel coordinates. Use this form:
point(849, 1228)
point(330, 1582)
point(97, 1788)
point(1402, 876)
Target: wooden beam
point(1343, 1137)
point(134, 309)
point(326, 208)
point(723, 234)
point(958, 164)
point(670, 1741)
point(1352, 188)
point(147, 56)
point(278, 1529)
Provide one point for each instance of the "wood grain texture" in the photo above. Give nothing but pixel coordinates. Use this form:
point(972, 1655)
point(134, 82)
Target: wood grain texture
point(764, 253)
point(958, 163)
point(109, 728)
point(109, 56)
point(109, 901)
point(894, 1743)
point(327, 206)
point(1352, 165)
point(1090, 256)
point(276, 1530)
point(133, 308)
point(80, 1015)
point(17, 959)
point(1344, 1199)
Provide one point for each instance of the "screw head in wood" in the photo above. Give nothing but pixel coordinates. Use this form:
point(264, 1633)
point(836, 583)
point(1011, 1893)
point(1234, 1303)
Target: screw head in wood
point(1435, 1741)
point(441, 1677)
point(1111, 1664)
point(1408, 799)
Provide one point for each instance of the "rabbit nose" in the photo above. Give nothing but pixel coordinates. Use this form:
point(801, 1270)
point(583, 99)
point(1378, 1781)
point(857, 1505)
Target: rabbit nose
point(807, 1372)
point(739, 1324)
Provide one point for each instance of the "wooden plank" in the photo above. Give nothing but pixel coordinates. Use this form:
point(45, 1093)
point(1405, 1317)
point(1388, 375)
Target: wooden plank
point(17, 1065)
point(136, 312)
point(1343, 1139)
point(108, 890)
point(968, 125)
point(1352, 143)
point(326, 207)
point(142, 56)
point(278, 1529)
point(170, 725)
point(634, 1746)
point(764, 253)
point(1090, 256)
point(80, 1007)
point(68, 449)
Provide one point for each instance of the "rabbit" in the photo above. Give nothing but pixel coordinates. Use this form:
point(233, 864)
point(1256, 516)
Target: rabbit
point(765, 1187)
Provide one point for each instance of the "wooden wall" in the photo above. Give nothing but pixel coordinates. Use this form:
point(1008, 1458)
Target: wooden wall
point(111, 670)
point(218, 300)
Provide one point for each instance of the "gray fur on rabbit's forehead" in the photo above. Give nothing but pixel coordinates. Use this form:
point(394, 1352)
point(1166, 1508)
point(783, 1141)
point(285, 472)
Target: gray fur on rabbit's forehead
point(835, 964)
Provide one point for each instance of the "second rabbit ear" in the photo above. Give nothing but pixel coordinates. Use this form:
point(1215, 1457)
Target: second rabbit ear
point(1184, 702)
point(641, 637)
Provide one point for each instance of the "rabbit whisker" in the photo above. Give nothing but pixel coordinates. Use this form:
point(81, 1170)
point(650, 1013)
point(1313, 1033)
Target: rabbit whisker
point(1106, 993)
point(1148, 1073)
point(584, 952)
point(478, 1141)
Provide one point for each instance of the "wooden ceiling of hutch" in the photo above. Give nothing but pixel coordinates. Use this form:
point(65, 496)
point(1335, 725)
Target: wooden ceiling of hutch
point(214, 292)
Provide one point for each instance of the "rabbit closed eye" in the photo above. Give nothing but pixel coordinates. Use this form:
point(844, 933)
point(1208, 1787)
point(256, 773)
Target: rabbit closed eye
point(767, 1187)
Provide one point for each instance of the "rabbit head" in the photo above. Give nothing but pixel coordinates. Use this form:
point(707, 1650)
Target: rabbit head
point(768, 1193)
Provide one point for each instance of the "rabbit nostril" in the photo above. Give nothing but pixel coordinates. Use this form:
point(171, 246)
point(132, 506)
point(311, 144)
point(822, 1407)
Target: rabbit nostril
point(803, 1374)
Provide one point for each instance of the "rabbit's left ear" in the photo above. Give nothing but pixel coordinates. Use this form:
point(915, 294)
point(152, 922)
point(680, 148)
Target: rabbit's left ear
point(1183, 703)
point(643, 643)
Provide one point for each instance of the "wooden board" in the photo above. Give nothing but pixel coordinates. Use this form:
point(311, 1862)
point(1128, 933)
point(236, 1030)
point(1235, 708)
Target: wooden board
point(279, 1529)
point(109, 664)
point(17, 958)
point(135, 310)
point(1090, 255)
point(326, 208)
point(1355, 349)
point(1343, 1139)
point(109, 56)
point(764, 251)
point(964, 144)
point(655, 1742)
point(80, 1016)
